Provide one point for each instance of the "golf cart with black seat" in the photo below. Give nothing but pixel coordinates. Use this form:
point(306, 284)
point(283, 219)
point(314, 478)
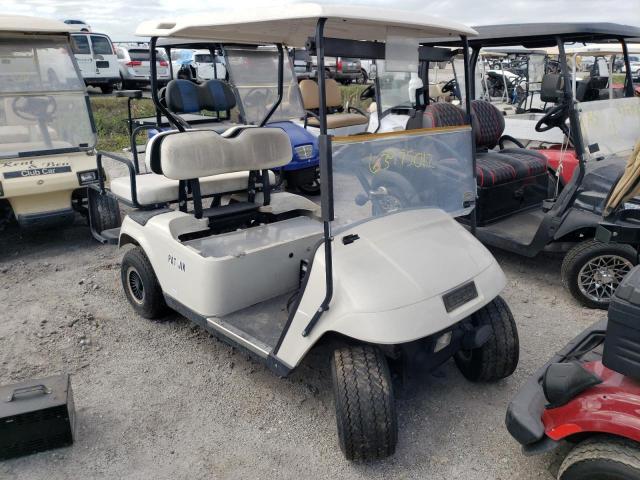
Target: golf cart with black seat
point(47, 132)
point(267, 272)
point(521, 208)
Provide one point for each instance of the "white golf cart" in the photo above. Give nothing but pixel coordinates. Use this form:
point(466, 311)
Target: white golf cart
point(262, 270)
point(47, 132)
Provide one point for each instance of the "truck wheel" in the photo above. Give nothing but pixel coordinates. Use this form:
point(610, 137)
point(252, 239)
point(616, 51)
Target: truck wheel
point(106, 89)
point(365, 407)
point(6, 215)
point(592, 271)
point(498, 357)
point(141, 285)
point(104, 211)
point(602, 457)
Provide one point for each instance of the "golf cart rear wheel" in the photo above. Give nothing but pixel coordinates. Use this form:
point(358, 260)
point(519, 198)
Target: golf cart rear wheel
point(365, 407)
point(592, 271)
point(498, 357)
point(141, 286)
point(602, 457)
point(104, 211)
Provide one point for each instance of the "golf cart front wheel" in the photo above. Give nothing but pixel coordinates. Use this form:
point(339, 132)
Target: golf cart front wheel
point(365, 407)
point(311, 188)
point(592, 271)
point(498, 357)
point(602, 457)
point(141, 286)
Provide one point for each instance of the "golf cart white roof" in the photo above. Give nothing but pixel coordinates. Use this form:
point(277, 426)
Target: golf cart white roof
point(294, 24)
point(596, 49)
point(27, 24)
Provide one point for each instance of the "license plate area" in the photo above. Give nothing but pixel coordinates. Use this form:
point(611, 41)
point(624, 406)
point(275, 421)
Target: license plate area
point(460, 296)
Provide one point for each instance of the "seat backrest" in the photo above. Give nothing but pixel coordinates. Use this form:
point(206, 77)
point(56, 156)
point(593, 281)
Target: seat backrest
point(488, 124)
point(195, 154)
point(443, 114)
point(184, 96)
point(311, 94)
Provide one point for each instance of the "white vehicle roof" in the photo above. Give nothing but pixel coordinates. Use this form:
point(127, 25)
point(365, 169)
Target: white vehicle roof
point(593, 50)
point(27, 24)
point(293, 24)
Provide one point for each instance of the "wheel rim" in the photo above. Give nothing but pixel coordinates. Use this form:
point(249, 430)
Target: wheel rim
point(599, 278)
point(311, 186)
point(135, 286)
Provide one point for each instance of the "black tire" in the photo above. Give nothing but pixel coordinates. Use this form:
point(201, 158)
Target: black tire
point(311, 188)
point(583, 258)
point(498, 358)
point(141, 286)
point(365, 407)
point(6, 215)
point(363, 78)
point(602, 458)
point(104, 211)
point(106, 89)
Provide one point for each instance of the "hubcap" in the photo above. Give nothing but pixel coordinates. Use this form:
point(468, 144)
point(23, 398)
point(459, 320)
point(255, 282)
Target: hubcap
point(135, 286)
point(600, 277)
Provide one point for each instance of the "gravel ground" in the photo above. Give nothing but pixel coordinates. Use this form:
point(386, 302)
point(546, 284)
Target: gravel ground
point(164, 400)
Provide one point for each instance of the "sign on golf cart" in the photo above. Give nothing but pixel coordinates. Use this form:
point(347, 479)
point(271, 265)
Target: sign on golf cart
point(45, 117)
point(385, 264)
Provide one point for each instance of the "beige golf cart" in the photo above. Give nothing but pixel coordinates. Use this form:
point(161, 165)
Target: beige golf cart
point(47, 132)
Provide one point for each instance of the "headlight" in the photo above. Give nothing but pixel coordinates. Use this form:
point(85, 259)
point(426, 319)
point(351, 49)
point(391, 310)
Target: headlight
point(88, 177)
point(304, 152)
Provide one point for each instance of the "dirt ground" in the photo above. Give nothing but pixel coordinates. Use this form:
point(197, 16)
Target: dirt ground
point(164, 400)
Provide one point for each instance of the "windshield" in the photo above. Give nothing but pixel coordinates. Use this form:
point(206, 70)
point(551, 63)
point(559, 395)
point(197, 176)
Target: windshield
point(254, 74)
point(385, 173)
point(397, 89)
point(43, 102)
point(203, 58)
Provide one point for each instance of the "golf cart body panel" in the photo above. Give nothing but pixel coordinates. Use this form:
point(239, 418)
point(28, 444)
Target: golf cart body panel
point(384, 306)
point(48, 134)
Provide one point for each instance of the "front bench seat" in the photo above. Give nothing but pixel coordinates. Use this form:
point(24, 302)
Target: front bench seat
point(311, 100)
point(503, 166)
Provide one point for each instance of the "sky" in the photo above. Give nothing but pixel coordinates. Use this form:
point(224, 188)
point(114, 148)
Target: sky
point(119, 18)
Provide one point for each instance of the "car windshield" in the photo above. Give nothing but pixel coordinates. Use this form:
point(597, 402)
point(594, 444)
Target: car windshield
point(254, 74)
point(43, 100)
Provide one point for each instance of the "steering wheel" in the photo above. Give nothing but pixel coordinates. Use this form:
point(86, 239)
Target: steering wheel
point(556, 117)
point(367, 93)
point(34, 108)
point(450, 86)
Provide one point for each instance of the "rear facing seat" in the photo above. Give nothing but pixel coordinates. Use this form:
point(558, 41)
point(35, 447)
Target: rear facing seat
point(183, 96)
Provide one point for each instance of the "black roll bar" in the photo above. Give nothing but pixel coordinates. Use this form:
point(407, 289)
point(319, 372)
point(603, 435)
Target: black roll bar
point(468, 78)
point(160, 109)
point(628, 80)
point(277, 103)
point(326, 179)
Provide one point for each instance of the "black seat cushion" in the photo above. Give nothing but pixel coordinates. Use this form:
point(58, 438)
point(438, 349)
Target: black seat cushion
point(488, 124)
point(184, 96)
point(443, 114)
point(512, 164)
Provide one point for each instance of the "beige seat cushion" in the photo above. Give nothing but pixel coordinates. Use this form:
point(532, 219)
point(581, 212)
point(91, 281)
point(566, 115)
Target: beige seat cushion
point(311, 94)
point(152, 188)
point(338, 120)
